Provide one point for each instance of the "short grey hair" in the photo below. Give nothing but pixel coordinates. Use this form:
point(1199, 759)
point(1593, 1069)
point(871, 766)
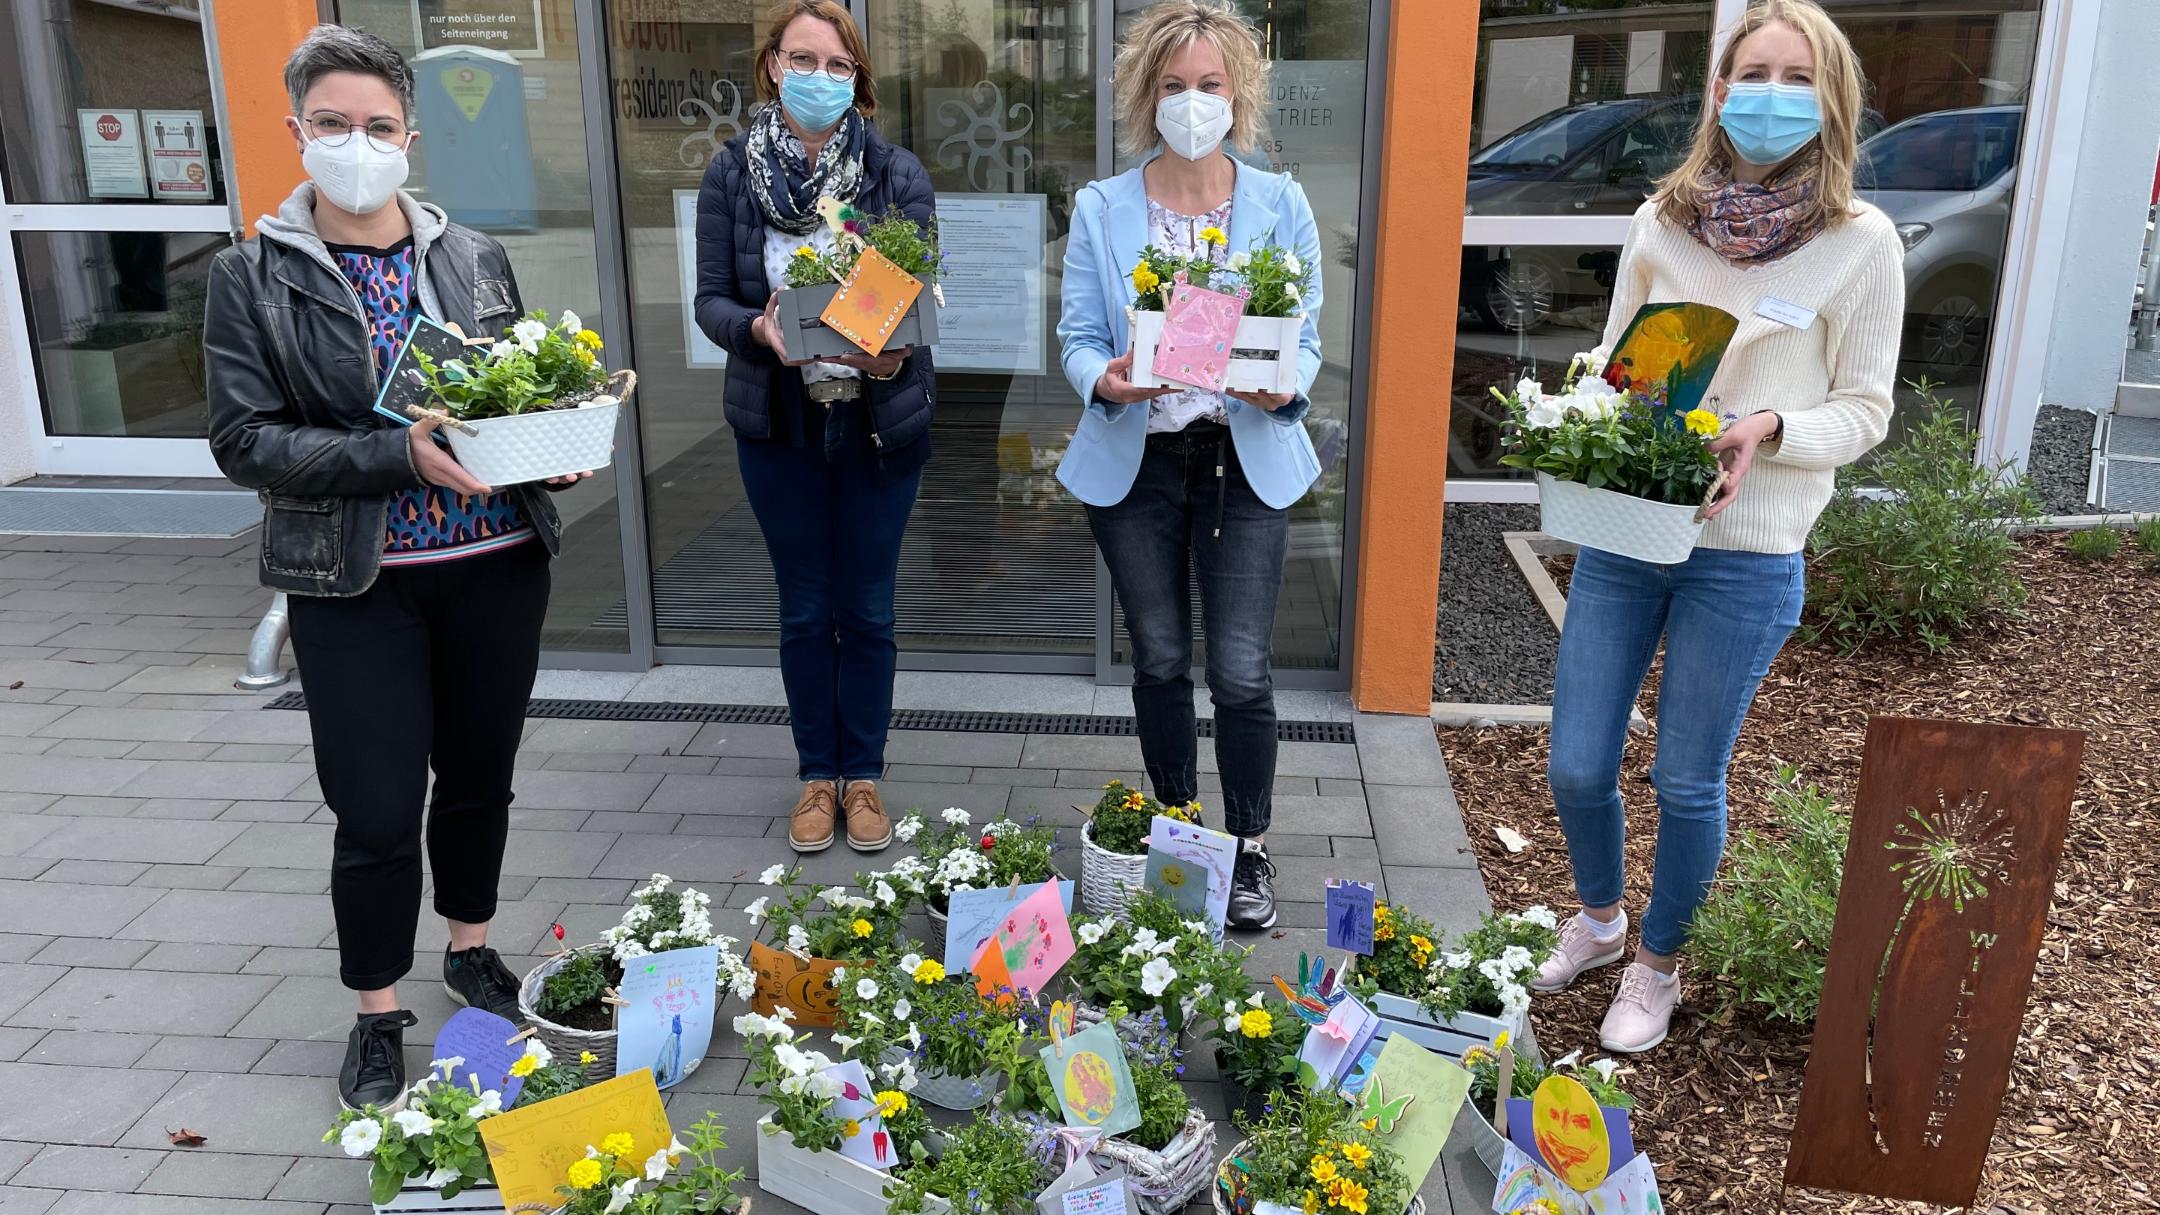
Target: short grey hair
point(338, 48)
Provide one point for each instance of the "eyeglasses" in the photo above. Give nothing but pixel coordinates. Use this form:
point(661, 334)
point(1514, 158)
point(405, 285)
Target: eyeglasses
point(803, 63)
point(332, 130)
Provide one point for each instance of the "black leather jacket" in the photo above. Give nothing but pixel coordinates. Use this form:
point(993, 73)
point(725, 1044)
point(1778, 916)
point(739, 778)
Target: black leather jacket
point(292, 388)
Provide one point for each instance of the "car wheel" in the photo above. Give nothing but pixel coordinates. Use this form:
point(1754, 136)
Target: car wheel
point(1519, 295)
point(1950, 327)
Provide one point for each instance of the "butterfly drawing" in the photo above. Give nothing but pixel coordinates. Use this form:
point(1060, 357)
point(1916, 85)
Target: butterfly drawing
point(1383, 1112)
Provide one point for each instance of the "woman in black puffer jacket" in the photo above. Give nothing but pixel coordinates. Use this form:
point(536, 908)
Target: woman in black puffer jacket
point(831, 452)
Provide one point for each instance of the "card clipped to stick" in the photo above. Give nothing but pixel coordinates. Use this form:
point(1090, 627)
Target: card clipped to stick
point(871, 303)
point(1350, 915)
point(532, 1148)
point(666, 1018)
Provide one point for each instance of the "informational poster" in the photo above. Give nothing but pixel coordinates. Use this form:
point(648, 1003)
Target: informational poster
point(179, 155)
point(113, 153)
point(699, 350)
point(510, 26)
point(993, 314)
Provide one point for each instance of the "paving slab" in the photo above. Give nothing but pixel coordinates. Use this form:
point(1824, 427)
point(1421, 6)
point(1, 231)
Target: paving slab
point(208, 779)
point(216, 1175)
point(96, 873)
point(628, 737)
point(232, 917)
point(279, 846)
point(66, 676)
point(57, 908)
point(1419, 825)
point(103, 1102)
point(166, 1204)
point(15, 1155)
point(137, 839)
point(68, 775)
point(156, 1002)
point(92, 951)
point(133, 725)
point(280, 1115)
point(553, 790)
point(89, 1168)
point(262, 726)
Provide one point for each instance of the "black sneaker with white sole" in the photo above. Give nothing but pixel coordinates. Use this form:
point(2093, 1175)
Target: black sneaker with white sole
point(1252, 888)
point(374, 1071)
point(477, 978)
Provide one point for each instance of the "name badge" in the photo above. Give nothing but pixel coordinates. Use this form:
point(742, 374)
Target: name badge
point(1785, 312)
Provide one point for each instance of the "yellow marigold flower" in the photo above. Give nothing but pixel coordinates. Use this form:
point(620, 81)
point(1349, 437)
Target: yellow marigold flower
point(1351, 1197)
point(587, 1058)
point(1421, 947)
point(587, 357)
point(931, 971)
point(1133, 801)
point(1500, 1043)
point(850, 1128)
point(1214, 236)
point(1357, 1154)
point(1702, 422)
point(891, 1102)
point(1256, 1023)
point(525, 1066)
point(618, 1144)
point(1383, 930)
point(1144, 278)
point(861, 928)
point(585, 1174)
point(588, 339)
point(1323, 1170)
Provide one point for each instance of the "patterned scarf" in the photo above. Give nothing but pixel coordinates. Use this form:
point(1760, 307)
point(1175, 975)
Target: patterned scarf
point(787, 185)
point(1748, 224)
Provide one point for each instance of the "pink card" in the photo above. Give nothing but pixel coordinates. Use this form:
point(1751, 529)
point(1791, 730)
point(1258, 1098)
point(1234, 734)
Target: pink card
point(1037, 938)
point(1199, 330)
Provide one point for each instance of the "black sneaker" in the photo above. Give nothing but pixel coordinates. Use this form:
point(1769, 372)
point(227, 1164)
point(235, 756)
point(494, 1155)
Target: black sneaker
point(477, 978)
point(1252, 888)
point(374, 1071)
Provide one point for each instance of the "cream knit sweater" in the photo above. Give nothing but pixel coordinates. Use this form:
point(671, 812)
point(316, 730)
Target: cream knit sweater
point(1830, 380)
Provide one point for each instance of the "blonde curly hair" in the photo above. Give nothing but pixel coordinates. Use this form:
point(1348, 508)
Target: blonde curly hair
point(1153, 40)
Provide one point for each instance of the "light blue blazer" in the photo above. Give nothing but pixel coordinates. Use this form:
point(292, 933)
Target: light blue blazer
point(1109, 228)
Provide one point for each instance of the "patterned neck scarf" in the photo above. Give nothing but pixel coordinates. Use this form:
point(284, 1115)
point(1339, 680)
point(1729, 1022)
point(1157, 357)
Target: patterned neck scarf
point(1749, 224)
point(787, 185)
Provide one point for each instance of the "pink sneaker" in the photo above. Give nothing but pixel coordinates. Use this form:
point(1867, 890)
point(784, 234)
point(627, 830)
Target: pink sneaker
point(1642, 1013)
point(1580, 951)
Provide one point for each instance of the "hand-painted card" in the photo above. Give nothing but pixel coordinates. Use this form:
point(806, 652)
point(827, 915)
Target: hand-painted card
point(1037, 938)
point(992, 980)
point(1094, 1085)
point(871, 1143)
point(787, 980)
point(1199, 332)
point(1524, 1132)
point(666, 1019)
point(1522, 1180)
point(1350, 907)
point(1412, 1099)
point(973, 915)
point(1191, 865)
point(1678, 346)
point(483, 1045)
point(532, 1148)
point(1331, 1048)
point(400, 389)
point(872, 302)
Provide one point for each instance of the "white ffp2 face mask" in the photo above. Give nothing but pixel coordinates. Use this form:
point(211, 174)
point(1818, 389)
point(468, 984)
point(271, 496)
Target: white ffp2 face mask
point(1192, 123)
point(356, 175)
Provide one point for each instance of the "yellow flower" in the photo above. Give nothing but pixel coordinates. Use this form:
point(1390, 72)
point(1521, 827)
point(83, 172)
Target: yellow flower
point(1323, 1170)
point(1475, 1055)
point(1421, 948)
point(1357, 1154)
point(1371, 1125)
point(588, 339)
point(1383, 930)
point(891, 1102)
point(1500, 1043)
point(1312, 1203)
point(1144, 278)
point(861, 928)
point(1702, 422)
point(931, 971)
point(587, 1058)
point(1214, 236)
point(805, 251)
point(1350, 1197)
point(618, 1144)
point(525, 1066)
point(1539, 1206)
point(585, 1174)
point(850, 1128)
point(1256, 1023)
point(587, 357)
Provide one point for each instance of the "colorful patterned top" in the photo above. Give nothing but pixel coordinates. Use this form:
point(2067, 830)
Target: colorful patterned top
point(429, 523)
point(1179, 235)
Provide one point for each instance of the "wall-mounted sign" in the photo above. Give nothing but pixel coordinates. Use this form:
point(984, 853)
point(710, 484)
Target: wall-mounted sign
point(179, 155)
point(510, 26)
point(113, 153)
point(699, 350)
point(993, 314)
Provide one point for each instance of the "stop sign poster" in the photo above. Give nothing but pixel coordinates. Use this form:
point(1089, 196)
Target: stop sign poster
point(113, 153)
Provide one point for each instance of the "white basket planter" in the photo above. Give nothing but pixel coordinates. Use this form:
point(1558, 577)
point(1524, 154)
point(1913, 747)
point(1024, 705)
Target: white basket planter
point(947, 1091)
point(825, 1182)
point(421, 1198)
point(1657, 532)
point(564, 1042)
point(1165, 1181)
point(535, 446)
point(1453, 1036)
point(1108, 880)
point(1263, 356)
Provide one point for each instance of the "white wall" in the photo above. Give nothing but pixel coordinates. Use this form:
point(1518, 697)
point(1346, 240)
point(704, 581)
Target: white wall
point(14, 411)
point(2113, 167)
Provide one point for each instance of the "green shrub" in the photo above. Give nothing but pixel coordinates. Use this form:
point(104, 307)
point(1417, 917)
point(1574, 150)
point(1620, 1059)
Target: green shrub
point(2096, 544)
point(2147, 537)
point(1930, 558)
point(581, 981)
point(1765, 930)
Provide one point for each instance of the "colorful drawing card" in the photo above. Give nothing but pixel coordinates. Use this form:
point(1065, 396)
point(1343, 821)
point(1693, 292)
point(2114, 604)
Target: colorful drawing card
point(871, 1144)
point(872, 302)
point(1199, 332)
point(1094, 1085)
point(532, 1148)
point(1332, 1048)
point(666, 1018)
point(1522, 1130)
point(992, 980)
point(1412, 1099)
point(973, 915)
point(1037, 939)
point(1570, 1132)
point(1631, 1190)
point(1191, 865)
point(483, 1045)
point(440, 343)
point(1350, 910)
point(786, 980)
point(1677, 345)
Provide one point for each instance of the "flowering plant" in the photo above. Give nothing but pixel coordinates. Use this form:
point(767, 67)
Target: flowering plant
point(537, 365)
point(802, 1087)
point(1626, 440)
point(607, 1181)
point(1403, 946)
point(985, 1169)
point(545, 1078)
point(1123, 817)
point(958, 856)
point(1483, 1063)
point(661, 916)
point(1257, 1043)
point(1146, 957)
point(1277, 278)
point(434, 1141)
point(911, 246)
point(1488, 970)
point(1151, 1055)
point(852, 927)
point(1309, 1152)
point(930, 1020)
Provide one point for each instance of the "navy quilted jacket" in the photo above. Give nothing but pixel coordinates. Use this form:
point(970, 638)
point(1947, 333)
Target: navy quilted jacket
point(732, 290)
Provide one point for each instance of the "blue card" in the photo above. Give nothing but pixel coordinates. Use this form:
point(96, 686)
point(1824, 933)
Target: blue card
point(483, 1041)
point(1350, 915)
point(975, 915)
point(439, 343)
point(665, 1022)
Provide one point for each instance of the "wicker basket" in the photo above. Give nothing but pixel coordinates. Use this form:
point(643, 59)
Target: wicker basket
point(934, 939)
point(1108, 879)
point(566, 1043)
point(1656, 532)
point(547, 443)
point(1163, 1181)
point(1222, 1203)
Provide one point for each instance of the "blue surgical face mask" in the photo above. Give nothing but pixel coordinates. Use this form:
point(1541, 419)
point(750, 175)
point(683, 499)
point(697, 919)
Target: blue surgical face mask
point(813, 99)
point(1768, 122)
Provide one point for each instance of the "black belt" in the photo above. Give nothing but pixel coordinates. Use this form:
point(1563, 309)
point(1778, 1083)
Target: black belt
point(845, 388)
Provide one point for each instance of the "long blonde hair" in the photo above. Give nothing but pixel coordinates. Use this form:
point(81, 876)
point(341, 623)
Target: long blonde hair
point(1161, 32)
point(1829, 164)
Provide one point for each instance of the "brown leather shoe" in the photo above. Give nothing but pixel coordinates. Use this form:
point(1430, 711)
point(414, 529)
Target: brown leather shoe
point(869, 828)
point(810, 824)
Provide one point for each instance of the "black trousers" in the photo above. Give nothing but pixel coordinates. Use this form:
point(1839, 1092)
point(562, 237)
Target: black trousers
point(431, 666)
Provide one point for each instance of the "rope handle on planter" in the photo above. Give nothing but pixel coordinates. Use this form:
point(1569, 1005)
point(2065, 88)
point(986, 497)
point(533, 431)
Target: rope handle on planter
point(1711, 496)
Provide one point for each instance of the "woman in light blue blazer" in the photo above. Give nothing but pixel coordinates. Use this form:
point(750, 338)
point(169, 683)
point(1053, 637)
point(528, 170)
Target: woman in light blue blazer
point(1178, 478)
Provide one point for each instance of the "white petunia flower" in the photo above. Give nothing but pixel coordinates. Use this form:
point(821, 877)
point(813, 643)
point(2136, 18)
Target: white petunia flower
point(571, 323)
point(1157, 976)
point(1238, 262)
point(359, 1138)
point(491, 1102)
point(846, 1043)
point(439, 1178)
point(827, 1086)
point(412, 1123)
point(756, 910)
point(958, 817)
point(1089, 933)
point(867, 989)
point(656, 1165)
point(1605, 1068)
point(904, 1009)
point(797, 939)
point(621, 1197)
point(1544, 415)
point(1291, 290)
point(527, 335)
point(1571, 1059)
point(772, 875)
point(501, 350)
point(1291, 263)
point(886, 895)
point(909, 963)
point(914, 1037)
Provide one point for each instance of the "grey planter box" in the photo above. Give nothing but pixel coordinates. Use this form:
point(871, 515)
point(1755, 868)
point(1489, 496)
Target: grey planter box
point(808, 337)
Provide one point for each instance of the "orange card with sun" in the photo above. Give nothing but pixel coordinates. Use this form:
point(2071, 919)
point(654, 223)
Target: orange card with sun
point(872, 302)
point(993, 979)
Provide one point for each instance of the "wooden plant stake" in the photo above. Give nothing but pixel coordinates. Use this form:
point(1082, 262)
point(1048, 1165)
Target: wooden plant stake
point(1956, 833)
point(1503, 1088)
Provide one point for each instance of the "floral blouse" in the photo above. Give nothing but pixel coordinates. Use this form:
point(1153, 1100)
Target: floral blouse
point(1179, 235)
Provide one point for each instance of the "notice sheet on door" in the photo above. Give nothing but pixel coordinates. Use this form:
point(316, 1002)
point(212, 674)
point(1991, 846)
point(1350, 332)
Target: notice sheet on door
point(994, 250)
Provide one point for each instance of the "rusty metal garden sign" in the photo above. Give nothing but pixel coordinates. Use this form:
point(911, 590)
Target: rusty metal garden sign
point(1955, 837)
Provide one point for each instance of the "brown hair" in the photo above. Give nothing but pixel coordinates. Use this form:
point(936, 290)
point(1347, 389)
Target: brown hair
point(851, 38)
point(1838, 87)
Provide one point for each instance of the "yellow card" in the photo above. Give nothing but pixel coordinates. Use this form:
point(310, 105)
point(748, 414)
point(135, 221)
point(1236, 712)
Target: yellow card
point(1571, 1132)
point(532, 1149)
point(870, 305)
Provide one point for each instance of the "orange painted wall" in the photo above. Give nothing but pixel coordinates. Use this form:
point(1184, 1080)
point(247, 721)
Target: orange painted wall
point(1424, 161)
point(254, 37)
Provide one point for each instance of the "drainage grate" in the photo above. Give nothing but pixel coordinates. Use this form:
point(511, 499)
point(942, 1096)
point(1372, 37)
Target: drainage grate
point(956, 721)
point(175, 513)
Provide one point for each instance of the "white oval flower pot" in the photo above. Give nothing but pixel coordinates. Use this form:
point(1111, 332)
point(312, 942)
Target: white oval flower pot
point(526, 447)
point(1263, 356)
point(1656, 532)
point(947, 1091)
point(825, 1182)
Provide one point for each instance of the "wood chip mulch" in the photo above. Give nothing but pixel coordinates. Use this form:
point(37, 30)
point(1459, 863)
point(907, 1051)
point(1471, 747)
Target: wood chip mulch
point(2080, 1126)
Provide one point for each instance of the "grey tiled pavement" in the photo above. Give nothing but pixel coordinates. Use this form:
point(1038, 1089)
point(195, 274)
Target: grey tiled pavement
point(167, 956)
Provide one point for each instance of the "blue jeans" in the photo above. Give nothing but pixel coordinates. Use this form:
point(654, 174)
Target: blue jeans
point(1723, 615)
point(1189, 486)
point(834, 536)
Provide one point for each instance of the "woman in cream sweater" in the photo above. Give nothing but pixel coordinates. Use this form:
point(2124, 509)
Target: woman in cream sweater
point(1760, 221)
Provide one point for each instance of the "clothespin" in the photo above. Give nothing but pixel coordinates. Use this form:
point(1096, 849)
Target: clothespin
point(519, 1036)
point(615, 998)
